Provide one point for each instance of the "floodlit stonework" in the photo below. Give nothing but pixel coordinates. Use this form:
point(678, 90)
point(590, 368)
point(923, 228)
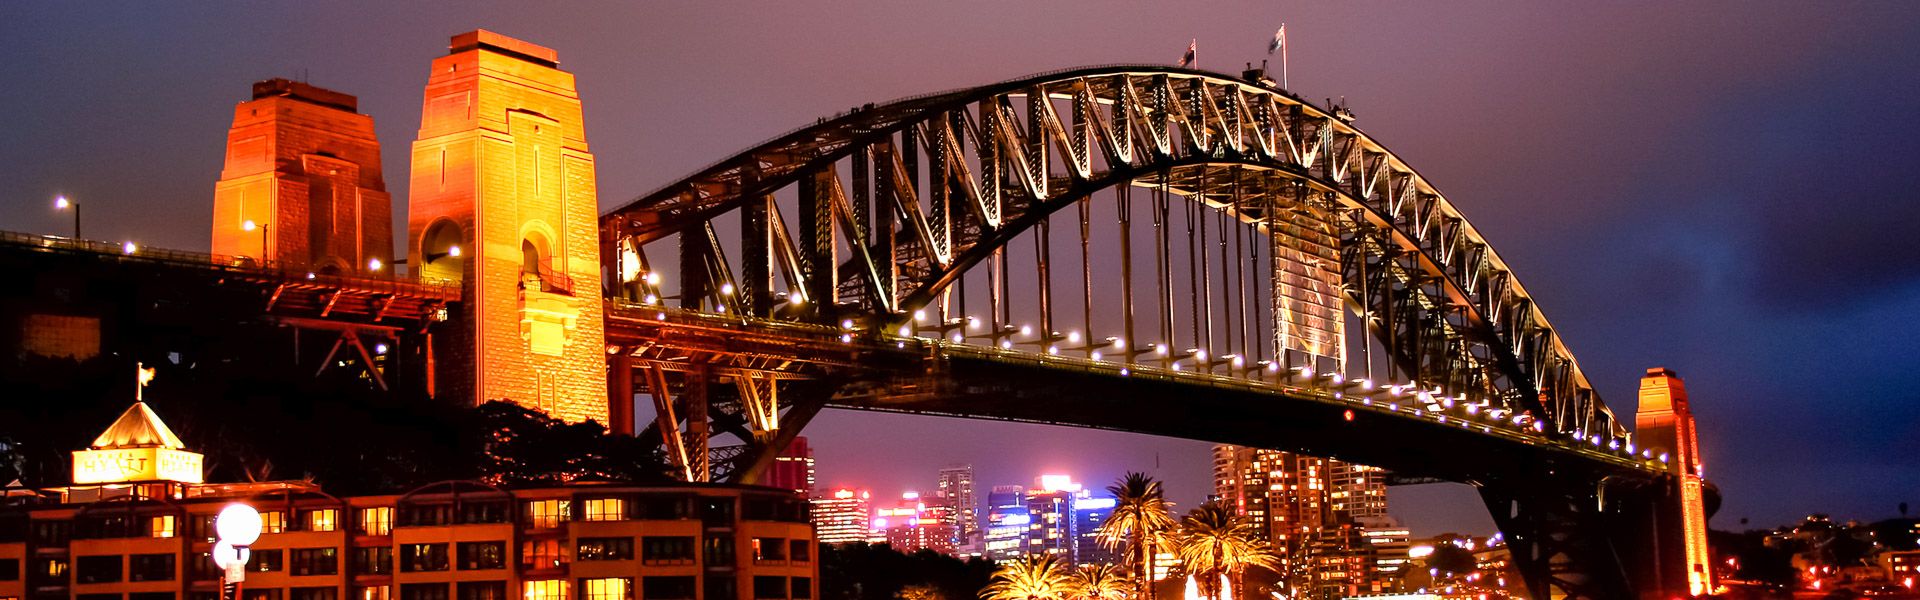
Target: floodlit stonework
point(503, 199)
point(302, 183)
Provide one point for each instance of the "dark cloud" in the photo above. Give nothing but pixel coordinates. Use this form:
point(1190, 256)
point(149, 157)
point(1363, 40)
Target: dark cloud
point(1831, 247)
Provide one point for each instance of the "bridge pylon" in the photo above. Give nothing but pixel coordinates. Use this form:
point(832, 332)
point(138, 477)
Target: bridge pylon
point(503, 201)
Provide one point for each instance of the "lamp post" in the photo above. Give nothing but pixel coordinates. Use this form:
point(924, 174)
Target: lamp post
point(237, 526)
point(249, 225)
point(62, 203)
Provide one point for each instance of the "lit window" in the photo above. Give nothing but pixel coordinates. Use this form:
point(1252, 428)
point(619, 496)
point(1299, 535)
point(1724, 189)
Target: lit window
point(376, 521)
point(374, 592)
point(273, 521)
point(606, 509)
point(161, 526)
point(325, 519)
point(610, 588)
point(547, 514)
point(540, 554)
point(546, 589)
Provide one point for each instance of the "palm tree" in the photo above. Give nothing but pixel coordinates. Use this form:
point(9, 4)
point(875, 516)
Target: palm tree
point(1140, 519)
point(1034, 578)
point(1213, 542)
point(1102, 582)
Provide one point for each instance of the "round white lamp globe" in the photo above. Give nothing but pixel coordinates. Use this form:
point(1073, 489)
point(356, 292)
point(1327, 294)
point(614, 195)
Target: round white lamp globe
point(238, 524)
point(226, 556)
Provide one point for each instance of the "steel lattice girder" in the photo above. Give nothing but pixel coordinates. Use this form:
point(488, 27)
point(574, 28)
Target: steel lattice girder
point(1468, 319)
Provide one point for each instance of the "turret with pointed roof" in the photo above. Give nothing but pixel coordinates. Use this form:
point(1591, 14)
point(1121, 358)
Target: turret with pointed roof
point(137, 448)
point(138, 427)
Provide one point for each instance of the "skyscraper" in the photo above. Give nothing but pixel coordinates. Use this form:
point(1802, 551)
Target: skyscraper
point(956, 491)
point(1315, 511)
point(843, 516)
point(1058, 517)
point(1050, 508)
point(793, 468)
point(913, 524)
point(1007, 522)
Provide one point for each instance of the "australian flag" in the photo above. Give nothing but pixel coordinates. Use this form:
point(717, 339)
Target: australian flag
point(1279, 39)
point(1193, 54)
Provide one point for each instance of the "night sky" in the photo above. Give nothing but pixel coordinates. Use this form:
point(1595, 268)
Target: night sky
point(1725, 189)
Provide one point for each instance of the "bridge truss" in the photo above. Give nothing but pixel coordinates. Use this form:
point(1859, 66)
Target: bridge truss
point(895, 204)
point(1247, 227)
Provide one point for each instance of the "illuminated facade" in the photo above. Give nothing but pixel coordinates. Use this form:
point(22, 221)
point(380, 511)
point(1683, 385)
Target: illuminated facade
point(1007, 522)
point(955, 490)
point(1318, 510)
point(1903, 567)
point(1665, 423)
point(458, 540)
point(843, 516)
point(138, 449)
point(302, 183)
point(142, 537)
point(503, 200)
point(1057, 517)
point(793, 468)
point(1388, 543)
point(913, 525)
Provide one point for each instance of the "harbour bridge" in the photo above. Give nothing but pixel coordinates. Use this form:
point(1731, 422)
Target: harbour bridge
point(1220, 233)
point(1241, 266)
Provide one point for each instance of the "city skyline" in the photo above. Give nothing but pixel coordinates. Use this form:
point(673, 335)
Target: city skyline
point(1845, 474)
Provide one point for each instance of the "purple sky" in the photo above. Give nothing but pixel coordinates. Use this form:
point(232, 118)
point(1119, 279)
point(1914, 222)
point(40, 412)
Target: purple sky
point(1726, 189)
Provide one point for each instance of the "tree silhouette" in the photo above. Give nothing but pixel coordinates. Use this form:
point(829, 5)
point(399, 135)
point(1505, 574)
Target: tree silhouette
point(1449, 558)
point(862, 571)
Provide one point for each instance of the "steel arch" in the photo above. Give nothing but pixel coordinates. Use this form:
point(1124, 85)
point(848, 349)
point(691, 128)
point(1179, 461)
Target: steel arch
point(1468, 315)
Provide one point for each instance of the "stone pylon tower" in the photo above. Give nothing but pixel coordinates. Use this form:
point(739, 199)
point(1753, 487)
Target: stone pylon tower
point(503, 200)
point(302, 183)
point(1664, 423)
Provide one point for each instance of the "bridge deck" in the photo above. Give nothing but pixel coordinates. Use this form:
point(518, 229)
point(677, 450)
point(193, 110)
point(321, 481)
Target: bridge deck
point(292, 290)
point(930, 376)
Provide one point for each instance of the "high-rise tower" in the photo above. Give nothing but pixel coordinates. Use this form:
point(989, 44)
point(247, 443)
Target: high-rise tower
point(503, 201)
point(302, 183)
point(956, 491)
point(1664, 423)
point(793, 468)
point(1309, 508)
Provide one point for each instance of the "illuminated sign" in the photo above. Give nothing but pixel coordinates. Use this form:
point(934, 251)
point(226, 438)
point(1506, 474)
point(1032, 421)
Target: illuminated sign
point(1094, 504)
point(133, 465)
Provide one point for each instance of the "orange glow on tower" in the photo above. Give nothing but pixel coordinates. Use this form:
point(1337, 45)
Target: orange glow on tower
point(503, 200)
point(302, 182)
point(1664, 421)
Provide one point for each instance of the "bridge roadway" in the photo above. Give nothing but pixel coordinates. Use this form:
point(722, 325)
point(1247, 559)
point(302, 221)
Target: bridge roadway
point(865, 370)
point(147, 302)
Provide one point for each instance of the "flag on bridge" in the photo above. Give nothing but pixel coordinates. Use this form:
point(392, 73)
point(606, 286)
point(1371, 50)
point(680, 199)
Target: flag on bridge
point(1192, 57)
point(1279, 40)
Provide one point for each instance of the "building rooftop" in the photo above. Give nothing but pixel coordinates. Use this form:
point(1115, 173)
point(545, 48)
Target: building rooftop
point(313, 94)
point(481, 38)
point(138, 427)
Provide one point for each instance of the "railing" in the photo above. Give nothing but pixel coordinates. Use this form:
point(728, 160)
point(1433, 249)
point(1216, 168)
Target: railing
point(232, 264)
point(547, 278)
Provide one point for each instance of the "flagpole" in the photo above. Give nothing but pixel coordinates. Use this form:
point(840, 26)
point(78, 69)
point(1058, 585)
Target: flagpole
point(1283, 58)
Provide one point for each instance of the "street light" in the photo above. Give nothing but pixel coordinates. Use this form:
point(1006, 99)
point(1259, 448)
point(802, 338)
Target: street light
point(62, 203)
point(238, 526)
point(249, 225)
